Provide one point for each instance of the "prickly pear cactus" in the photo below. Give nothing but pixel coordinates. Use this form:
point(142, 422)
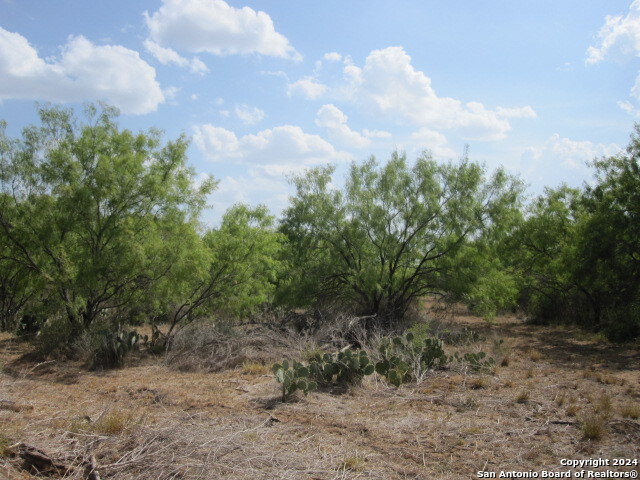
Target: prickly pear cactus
point(348, 366)
point(477, 361)
point(403, 359)
point(432, 355)
point(293, 377)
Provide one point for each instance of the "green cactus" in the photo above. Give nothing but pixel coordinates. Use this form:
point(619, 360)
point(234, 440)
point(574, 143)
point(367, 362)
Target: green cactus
point(432, 355)
point(112, 347)
point(293, 377)
point(406, 358)
point(477, 361)
point(349, 366)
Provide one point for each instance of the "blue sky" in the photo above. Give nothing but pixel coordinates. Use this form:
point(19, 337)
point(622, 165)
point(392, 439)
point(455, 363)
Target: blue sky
point(266, 88)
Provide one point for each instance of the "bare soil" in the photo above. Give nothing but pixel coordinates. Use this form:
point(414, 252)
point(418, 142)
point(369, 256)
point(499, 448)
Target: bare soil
point(555, 394)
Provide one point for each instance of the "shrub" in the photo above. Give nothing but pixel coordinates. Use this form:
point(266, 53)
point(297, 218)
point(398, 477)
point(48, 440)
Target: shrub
point(110, 347)
point(55, 337)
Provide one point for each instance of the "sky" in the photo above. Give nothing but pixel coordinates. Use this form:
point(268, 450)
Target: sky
point(266, 89)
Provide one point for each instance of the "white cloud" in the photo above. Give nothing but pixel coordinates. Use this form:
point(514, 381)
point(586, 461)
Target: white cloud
point(565, 153)
point(215, 27)
point(308, 87)
point(170, 93)
point(249, 115)
point(618, 34)
point(332, 57)
point(432, 141)
point(277, 73)
point(376, 133)
point(254, 188)
point(629, 108)
point(274, 151)
point(167, 56)
point(335, 121)
point(83, 72)
point(518, 112)
point(389, 88)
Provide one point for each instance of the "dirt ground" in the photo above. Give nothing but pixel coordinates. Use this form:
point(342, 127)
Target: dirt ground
point(555, 395)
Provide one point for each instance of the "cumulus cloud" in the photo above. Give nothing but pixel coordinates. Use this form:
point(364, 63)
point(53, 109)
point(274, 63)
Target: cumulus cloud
point(214, 26)
point(82, 72)
point(167, 56)
point(274, 151)
point(518, 112)
point(335, 121)
point(253, 188)
point(376, 133)
point(618, 34)
point(388, 87)
point(629, 108)
point(332, 57)
point(434, 142)
point(308, 87)
point(566, 153)
point(249, 115)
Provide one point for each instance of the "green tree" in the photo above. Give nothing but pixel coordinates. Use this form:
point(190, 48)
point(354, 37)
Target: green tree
point(232, 271)
point(90, 208)
point(579, 260)
point(546, 258)
point(389, 236)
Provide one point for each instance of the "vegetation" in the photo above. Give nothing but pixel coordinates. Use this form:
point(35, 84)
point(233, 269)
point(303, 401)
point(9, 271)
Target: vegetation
point(392, 235)
point(293, 377)
point(100, 230)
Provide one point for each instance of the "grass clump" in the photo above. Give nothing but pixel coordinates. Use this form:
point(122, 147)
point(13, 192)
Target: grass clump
point(535, 355)
point(110, 423)
point(5, 442)
point(572, 410)
point(479, 383)
point(593, 426)
point(604, 405)
point(523, 396)
point(468, 403)
point(254, 368)
point(630, 411)
point(353, 464)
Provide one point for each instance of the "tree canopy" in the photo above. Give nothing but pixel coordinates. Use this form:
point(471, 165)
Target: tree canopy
point(389, 236)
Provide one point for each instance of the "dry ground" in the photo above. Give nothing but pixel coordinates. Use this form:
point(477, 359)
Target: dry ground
point(147, 421)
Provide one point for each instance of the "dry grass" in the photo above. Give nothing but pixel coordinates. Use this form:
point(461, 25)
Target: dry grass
point(593, 426)
point(535, 355)
point(630, 411)
point(479, 382)
point(221, 418)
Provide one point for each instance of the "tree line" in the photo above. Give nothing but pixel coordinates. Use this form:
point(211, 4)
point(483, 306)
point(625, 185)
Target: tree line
point(101, 226)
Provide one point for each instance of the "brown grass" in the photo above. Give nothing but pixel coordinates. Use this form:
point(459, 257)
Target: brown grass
point(222, 418)
point(593, 426)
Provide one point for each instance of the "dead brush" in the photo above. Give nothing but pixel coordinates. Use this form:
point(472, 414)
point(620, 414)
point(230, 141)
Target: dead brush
point(207, 347)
